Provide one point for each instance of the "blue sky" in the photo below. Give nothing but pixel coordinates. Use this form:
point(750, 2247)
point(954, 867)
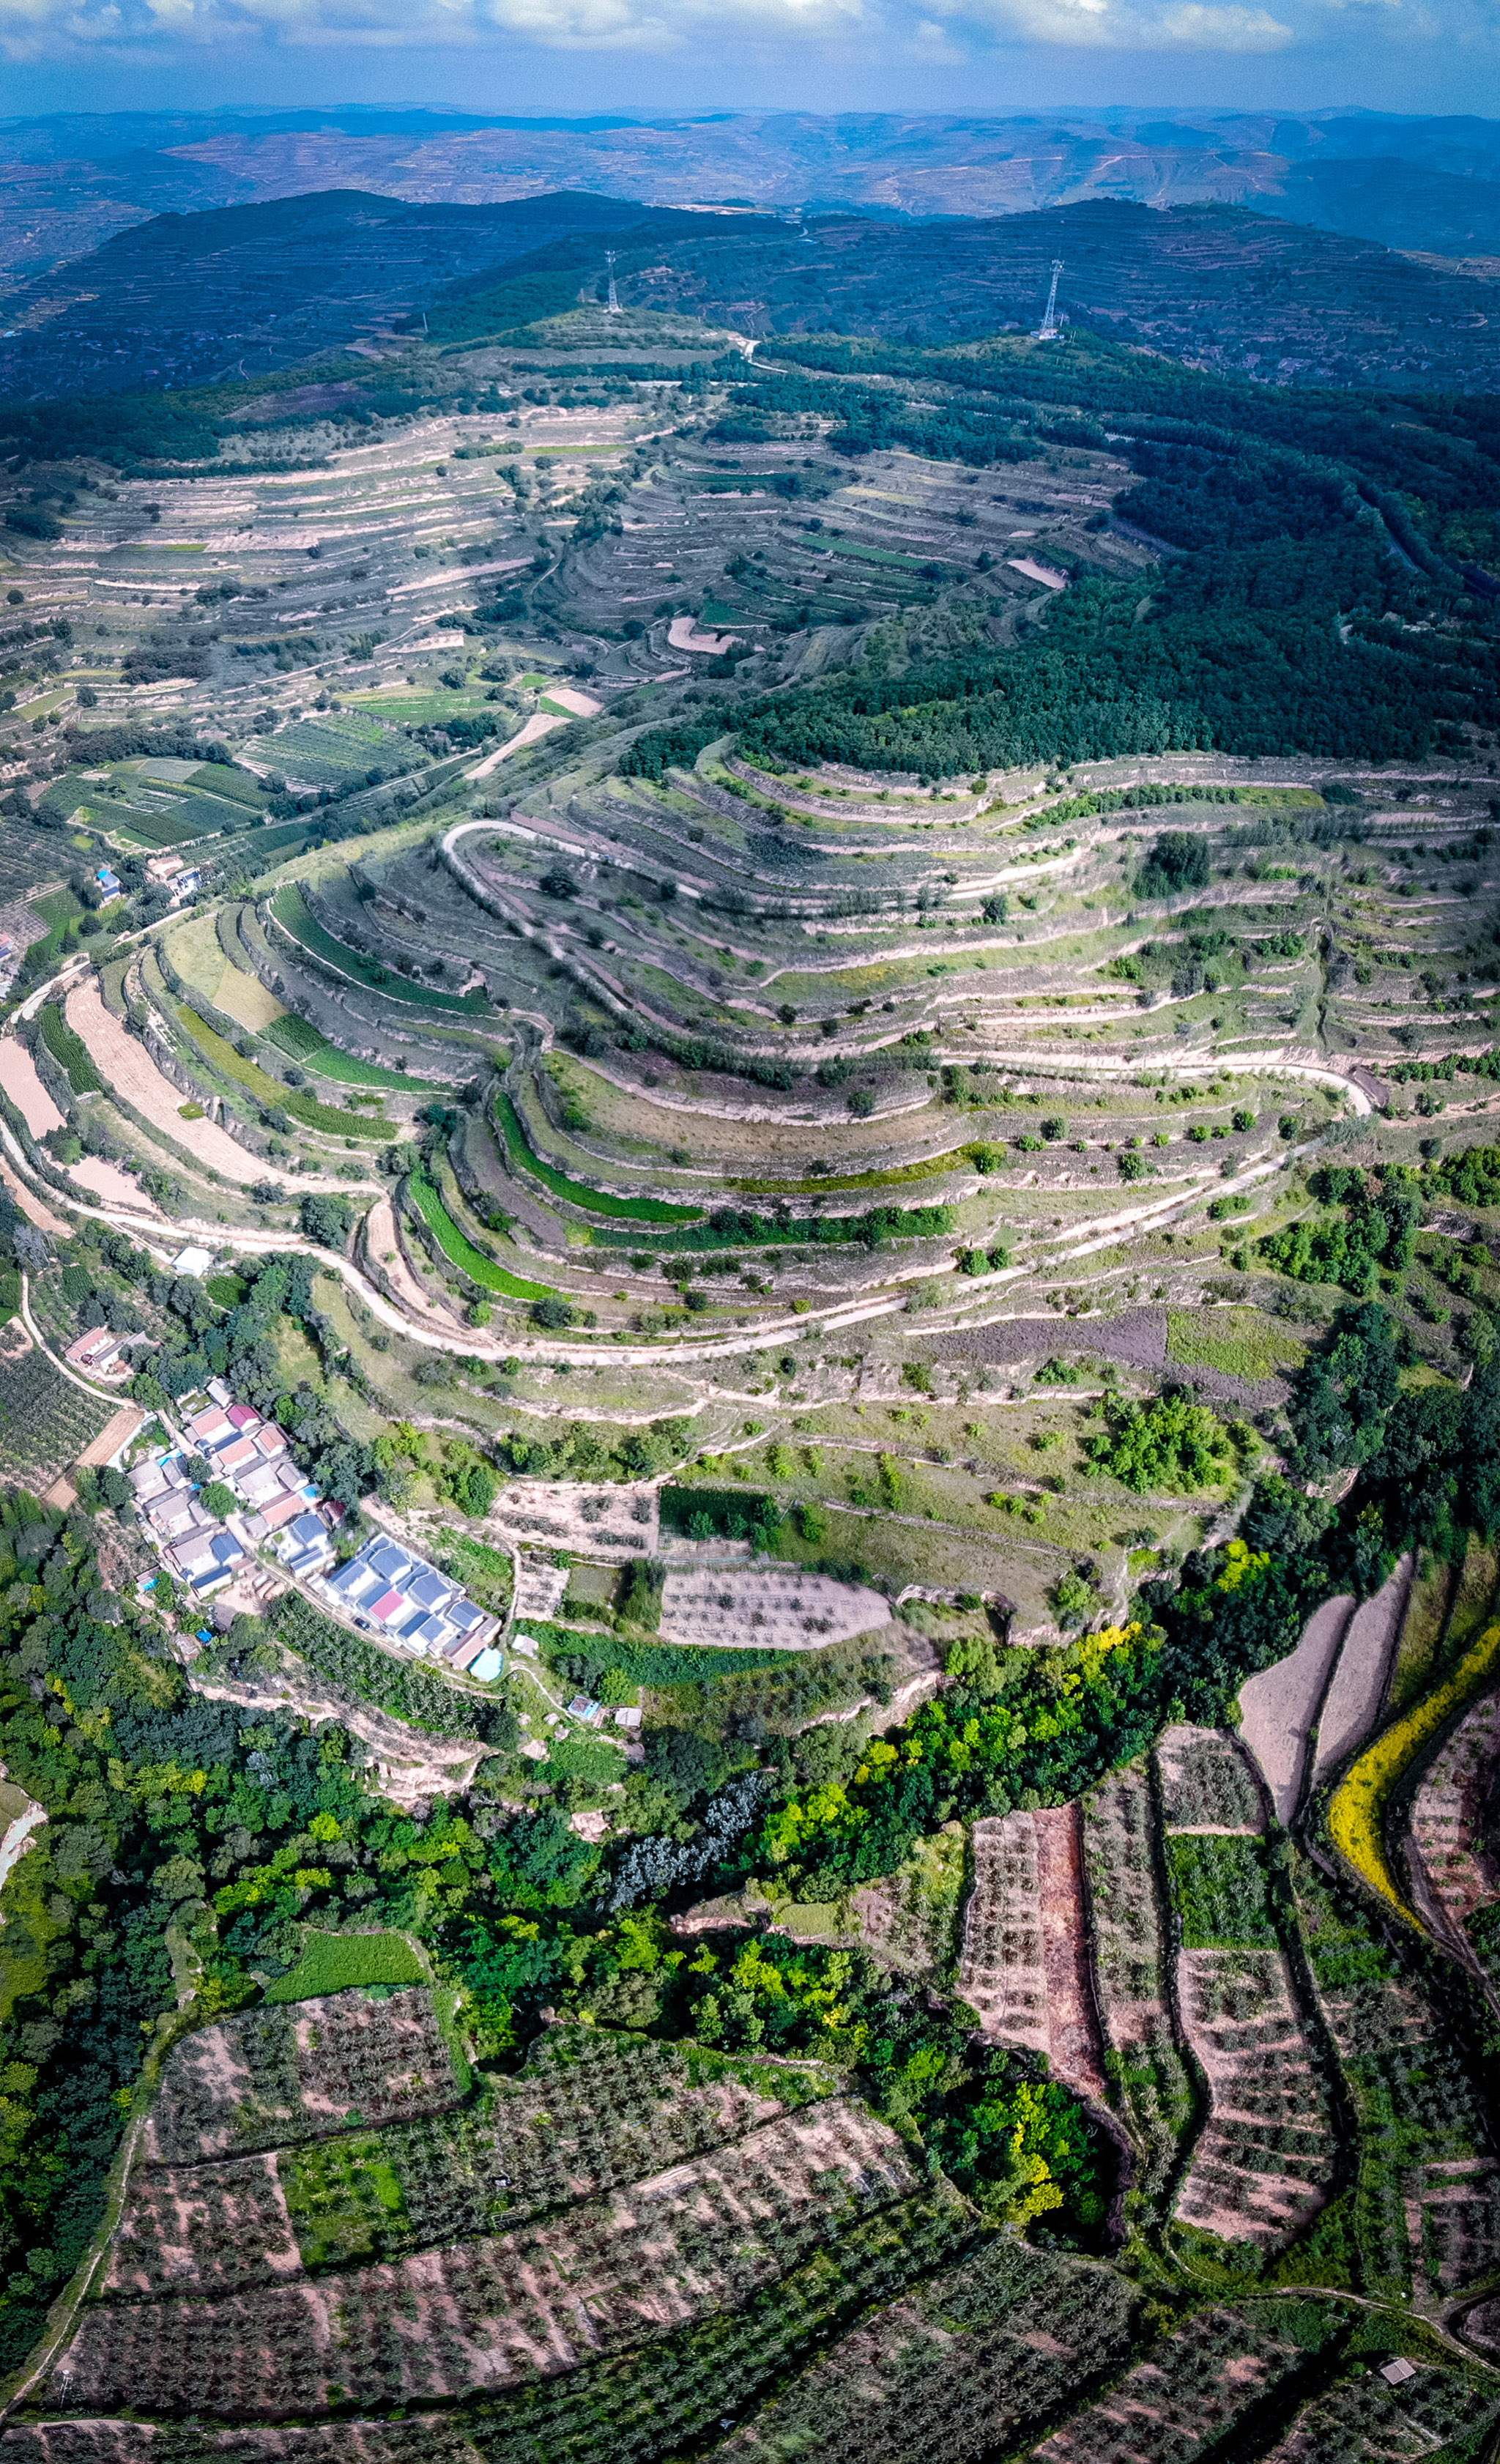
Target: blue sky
point(822, 55)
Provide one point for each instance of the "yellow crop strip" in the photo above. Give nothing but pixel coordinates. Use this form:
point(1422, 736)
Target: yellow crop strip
point(1357, 1812)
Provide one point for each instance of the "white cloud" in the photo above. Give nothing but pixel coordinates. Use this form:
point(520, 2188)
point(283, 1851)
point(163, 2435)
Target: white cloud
point(1122, 26)
point(1220, 30)
point(932, 33)
point(142, 27)
point(934, 45)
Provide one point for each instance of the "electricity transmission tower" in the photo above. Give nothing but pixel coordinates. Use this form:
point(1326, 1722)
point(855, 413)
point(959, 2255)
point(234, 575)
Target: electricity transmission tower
point(1047, 332)
point(612, 306)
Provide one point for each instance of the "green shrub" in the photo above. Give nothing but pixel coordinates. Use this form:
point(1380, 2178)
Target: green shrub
point(1178, 861)
point(1172, 1445)
point(730, 1513)
point(69, 1051)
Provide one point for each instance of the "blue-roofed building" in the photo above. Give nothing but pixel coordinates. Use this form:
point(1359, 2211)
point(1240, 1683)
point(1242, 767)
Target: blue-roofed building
point(358, 1580)
point(410, 1602)
point(306, 1545)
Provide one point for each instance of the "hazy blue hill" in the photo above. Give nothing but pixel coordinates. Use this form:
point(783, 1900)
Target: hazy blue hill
point(1403, 204)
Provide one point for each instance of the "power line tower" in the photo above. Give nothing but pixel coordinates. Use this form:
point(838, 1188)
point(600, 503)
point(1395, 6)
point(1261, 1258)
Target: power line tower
point(612, 307)
point(1047, 331)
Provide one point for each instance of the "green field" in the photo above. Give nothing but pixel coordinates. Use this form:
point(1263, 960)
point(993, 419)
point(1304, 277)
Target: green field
point(227, 780)
point(599, 1201)
point(291, 912)
point(303, 1044)
point(1239, 1342)
point(660, 1664)
point(332, 1962)
point(69, 1051)
point(457, 1245)
point(269, 1093)
point(596, 1760)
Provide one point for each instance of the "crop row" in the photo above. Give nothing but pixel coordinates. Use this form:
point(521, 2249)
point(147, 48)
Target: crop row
point(1264, 2162)
point(1185, 2399)
point(1142, 2056)
point(406, 1689)
point(45, 1422)
point(589, 2113)
point(563, 2130)
point(1033, 2330)
point(1002, 1973)
point(612, 2271)
point(302, 1042)
point(1415, 2101)
point(598, 1202)
point(1205, 1782)
point(638, 2406)
point(299, 2071)
point(269, 1092)
point(291, 911)
point(457, 1244)
point(1357, 1815)
point(69, 1050)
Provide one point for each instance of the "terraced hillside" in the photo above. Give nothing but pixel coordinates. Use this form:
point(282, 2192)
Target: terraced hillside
point(685, 1057)
point(820, 1021)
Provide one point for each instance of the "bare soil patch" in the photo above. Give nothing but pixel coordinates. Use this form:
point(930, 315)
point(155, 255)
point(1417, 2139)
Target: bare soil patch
point(124, 1065)
point(33, 1208)
point(770, 1608)
point(1357, 1687)
point(19, 1079)
point(1278, 1707)
point(1072, 2029)
point(115, 1187)
point(116, 1433)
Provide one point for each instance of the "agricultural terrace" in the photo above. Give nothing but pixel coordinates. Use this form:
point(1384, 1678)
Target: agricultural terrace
point(685, 969)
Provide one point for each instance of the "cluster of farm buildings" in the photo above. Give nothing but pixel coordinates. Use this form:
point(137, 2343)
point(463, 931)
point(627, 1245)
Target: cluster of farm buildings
point(385, 1590)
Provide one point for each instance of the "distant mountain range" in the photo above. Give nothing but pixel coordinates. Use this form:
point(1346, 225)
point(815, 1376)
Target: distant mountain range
point(238, 292)
point(70, 182)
